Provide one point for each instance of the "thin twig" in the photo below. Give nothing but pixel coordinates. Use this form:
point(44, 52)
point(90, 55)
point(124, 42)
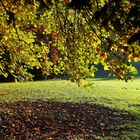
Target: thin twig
point(100, 38)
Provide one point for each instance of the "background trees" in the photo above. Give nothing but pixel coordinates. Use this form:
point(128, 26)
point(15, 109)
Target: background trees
point(84, 34)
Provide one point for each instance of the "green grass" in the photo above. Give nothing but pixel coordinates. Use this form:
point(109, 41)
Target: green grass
point(112, 93)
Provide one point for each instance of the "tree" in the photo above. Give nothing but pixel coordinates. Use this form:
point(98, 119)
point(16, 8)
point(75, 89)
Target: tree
point(20, 51)
point(87, 33)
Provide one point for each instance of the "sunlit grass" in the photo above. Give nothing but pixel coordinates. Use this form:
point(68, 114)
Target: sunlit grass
point(109, 92)
point(112, 93)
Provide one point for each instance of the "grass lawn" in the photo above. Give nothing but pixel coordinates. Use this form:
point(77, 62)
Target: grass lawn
point(111, 93)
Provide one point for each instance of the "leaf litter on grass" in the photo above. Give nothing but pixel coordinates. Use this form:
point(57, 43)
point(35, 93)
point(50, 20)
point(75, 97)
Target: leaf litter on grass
point(40, 120)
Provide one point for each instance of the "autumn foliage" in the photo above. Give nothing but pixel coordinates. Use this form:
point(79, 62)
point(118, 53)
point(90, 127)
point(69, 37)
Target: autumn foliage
point(68, 36)
point(58, 121)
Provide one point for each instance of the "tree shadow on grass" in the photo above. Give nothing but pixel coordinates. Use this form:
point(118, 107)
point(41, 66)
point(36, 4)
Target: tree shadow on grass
point(42, 119)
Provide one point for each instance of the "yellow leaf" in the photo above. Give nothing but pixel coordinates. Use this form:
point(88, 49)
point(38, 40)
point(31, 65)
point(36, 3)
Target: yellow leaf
point(106, 68)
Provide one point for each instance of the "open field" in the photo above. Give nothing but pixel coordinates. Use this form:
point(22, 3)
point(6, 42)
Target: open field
point(110, 93)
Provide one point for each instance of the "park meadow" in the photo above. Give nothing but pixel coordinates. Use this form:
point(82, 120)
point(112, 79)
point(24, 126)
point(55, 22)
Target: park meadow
point(60, 109)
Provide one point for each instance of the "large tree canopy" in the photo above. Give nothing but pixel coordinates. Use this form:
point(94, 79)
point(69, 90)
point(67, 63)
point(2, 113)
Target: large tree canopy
point(70, 36)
